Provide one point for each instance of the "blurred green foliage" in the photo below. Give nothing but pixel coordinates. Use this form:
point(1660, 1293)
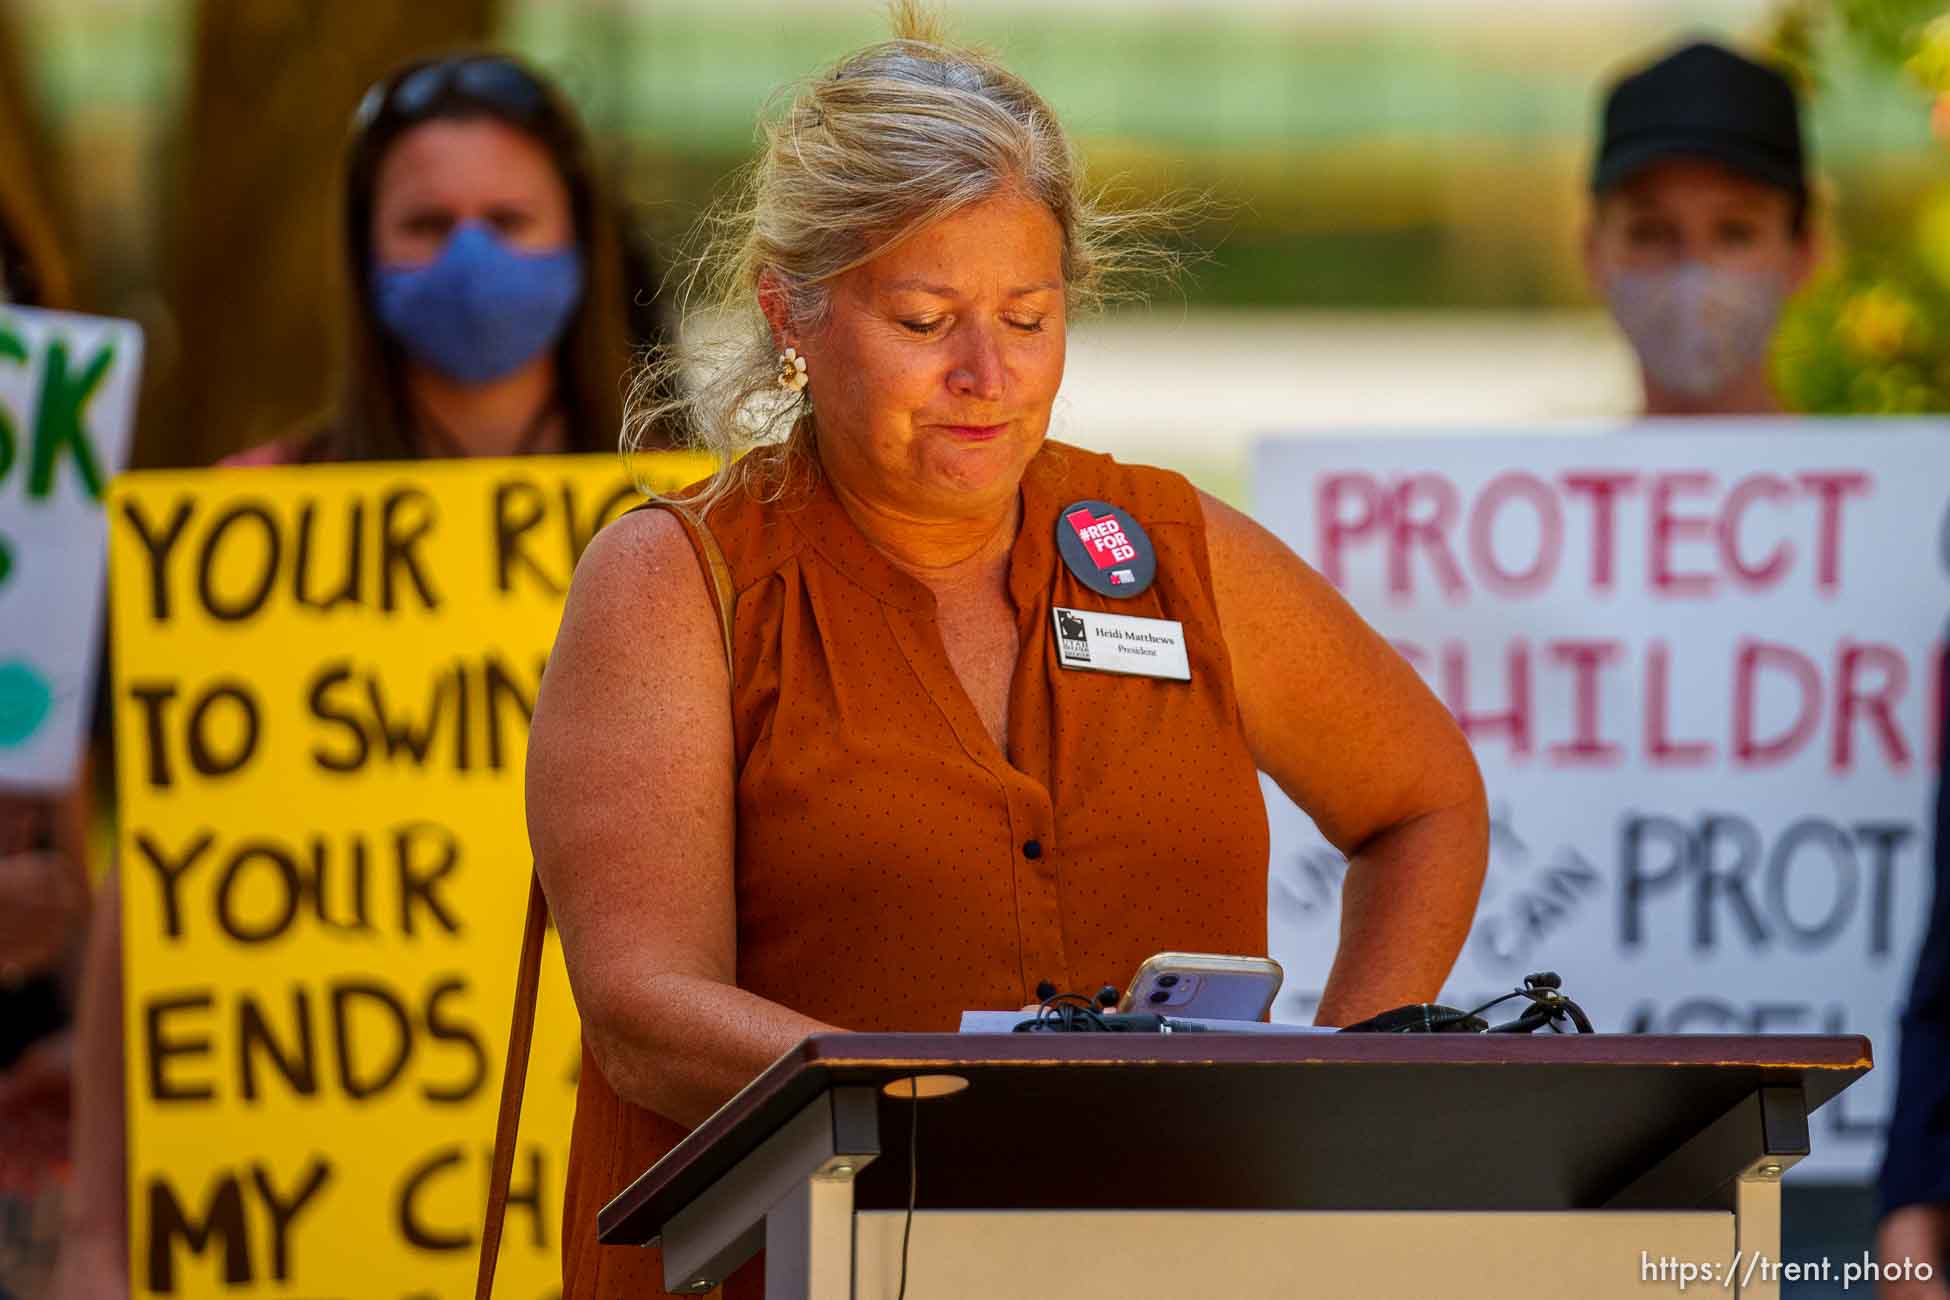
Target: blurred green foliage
point(1364, 160)
point(1889, 29)
point(1871, 335)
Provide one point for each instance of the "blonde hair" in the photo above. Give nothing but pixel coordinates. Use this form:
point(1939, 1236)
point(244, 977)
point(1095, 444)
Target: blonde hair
point(887, 141)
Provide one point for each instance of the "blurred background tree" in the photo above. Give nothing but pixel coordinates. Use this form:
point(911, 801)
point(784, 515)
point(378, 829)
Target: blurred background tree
point(1871, 335)
point(29, 195)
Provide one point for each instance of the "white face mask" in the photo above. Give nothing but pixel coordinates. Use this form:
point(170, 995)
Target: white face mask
point(1695, 327)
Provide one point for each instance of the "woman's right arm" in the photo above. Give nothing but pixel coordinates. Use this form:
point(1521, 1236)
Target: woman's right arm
point(630, 814)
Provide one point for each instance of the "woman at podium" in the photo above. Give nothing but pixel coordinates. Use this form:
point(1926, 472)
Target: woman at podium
point(961, 709)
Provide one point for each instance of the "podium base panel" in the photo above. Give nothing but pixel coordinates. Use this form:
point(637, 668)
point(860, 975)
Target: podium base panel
point(1112, 1255)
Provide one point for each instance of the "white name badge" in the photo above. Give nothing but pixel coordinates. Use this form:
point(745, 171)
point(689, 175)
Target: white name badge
point(1118, 643)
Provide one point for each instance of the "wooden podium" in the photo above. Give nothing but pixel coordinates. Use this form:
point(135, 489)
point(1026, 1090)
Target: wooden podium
point(1087, 1165)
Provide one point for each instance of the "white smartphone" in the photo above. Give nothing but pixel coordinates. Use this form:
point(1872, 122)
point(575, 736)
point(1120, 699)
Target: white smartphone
point(1204, 986)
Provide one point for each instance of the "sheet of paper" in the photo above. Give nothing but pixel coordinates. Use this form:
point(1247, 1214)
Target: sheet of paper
point(1003, 1022)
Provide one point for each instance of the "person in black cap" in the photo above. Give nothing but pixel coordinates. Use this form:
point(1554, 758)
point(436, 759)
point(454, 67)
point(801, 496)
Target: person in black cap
point(1700, 228)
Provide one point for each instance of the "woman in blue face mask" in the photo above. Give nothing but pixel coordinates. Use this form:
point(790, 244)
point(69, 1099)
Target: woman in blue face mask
point(490, 302)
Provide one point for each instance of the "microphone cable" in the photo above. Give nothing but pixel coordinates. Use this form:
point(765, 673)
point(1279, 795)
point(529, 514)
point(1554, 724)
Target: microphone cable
point(1542, 990)
point(1073, 1013)
point(913, 1172)
point(1548, 1006)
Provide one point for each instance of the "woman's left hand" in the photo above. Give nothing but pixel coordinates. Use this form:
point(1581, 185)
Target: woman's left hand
point(1354, 737)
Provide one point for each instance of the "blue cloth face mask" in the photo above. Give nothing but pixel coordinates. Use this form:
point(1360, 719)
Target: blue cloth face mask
point(481, 310)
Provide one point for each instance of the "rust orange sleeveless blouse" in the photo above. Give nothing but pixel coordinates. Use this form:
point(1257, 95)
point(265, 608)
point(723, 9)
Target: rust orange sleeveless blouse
point(893, 866)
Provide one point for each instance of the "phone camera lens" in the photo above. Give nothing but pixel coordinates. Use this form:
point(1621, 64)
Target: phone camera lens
point(1160, 998)
point(1167, 981)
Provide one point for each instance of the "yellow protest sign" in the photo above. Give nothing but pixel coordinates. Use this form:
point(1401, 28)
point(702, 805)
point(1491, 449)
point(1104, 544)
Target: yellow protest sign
point(323, 678)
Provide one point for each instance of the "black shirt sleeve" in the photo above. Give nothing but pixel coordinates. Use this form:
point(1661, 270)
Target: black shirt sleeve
point(1916, 1164)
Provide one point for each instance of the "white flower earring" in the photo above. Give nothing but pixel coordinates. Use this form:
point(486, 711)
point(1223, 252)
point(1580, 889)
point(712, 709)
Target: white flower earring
point(792, 371)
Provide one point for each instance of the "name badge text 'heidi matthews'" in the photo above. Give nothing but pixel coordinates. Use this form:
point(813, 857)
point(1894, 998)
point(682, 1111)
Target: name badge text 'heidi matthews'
point(1118, 643)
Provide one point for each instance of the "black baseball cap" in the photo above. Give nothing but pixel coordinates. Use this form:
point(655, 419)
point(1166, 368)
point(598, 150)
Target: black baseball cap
point(1703, 101)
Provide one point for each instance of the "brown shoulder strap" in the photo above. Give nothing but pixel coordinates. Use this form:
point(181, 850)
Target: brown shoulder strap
point(528, 973)
point(514, 1077)
point(716, 571)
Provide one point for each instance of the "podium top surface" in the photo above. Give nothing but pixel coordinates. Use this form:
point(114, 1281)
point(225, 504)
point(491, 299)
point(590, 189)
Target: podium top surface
point(1238, 1121)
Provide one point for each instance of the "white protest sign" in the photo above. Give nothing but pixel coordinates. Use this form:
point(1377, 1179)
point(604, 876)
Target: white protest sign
point(1699, 669)
point(67, 404)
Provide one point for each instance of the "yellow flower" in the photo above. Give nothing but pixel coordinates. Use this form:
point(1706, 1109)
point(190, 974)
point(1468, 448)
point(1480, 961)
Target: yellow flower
point(1878, 322)
point(792, 371)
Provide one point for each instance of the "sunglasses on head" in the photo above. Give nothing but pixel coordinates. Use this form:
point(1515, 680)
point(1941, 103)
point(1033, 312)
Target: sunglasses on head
point(499, 83)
